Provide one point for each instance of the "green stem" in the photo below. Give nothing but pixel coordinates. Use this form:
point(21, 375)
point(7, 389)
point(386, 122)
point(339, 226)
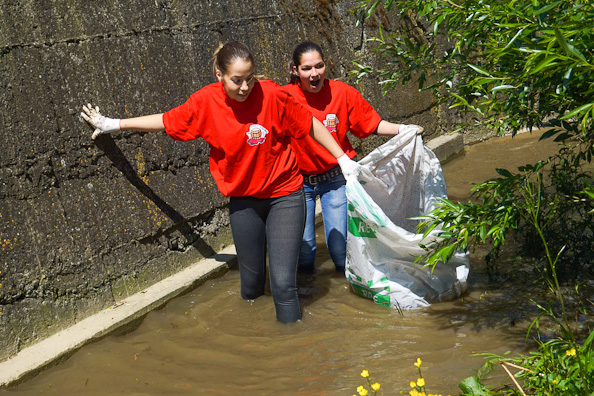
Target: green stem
point(453, 4)
point(533, 217)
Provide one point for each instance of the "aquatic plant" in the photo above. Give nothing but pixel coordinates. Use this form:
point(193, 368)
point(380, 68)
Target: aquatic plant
point(363, 391)
point(419, 386)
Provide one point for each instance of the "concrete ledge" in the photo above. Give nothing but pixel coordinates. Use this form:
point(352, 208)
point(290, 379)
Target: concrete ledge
point(39, 356)
point(447, 147)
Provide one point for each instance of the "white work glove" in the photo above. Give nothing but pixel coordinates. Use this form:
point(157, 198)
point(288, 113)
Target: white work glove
point(348, 166)
point(409, 128)
point(101, 123)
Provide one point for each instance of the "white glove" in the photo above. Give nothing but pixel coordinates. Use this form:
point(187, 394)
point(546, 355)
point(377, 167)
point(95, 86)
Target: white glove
point(409, 128)
point(348, 166)
point(101, 123)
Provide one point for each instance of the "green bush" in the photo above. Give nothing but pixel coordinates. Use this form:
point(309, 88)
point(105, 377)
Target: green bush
point(507, 65)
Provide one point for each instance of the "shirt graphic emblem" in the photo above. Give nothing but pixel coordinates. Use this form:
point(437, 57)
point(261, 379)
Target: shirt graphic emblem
point(256, 134)
point(330, 122)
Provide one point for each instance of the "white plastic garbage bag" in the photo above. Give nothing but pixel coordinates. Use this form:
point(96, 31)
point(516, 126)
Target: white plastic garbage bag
point(400, 179)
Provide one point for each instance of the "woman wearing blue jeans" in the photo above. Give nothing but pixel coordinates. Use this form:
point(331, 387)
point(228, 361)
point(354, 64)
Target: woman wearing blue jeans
point(340, 108)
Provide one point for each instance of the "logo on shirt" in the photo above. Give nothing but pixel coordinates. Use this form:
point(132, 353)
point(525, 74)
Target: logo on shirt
point(330, 122)
point(256, 135)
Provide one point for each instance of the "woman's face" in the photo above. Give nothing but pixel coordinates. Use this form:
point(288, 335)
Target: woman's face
point(239, 79)
point(311, 72)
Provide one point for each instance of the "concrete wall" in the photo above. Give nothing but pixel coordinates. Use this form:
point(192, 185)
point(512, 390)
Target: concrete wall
point(84, 224)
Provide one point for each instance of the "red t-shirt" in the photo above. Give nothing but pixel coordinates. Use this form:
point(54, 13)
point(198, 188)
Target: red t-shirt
point(250, 150)
point(340, 108)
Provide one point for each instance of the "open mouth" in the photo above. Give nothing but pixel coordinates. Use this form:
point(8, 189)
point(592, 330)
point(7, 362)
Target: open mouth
point(314, 84)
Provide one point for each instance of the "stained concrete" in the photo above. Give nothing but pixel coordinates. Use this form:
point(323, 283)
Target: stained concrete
point(447, 147)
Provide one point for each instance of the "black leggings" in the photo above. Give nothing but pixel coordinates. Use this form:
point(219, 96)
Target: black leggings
point(278, 223)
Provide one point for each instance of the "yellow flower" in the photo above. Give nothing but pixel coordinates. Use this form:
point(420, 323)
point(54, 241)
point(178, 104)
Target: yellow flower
point(554, 382)
point(362, 391)
point(365, 374)
point(375, 386)
point(418, 363)
point(570, 352)
point(414, 392)
point(421, 382)
point(413, 384)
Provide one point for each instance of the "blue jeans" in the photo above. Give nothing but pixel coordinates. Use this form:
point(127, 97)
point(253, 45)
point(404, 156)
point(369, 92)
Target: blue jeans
point(273, 225)
point(334, 212)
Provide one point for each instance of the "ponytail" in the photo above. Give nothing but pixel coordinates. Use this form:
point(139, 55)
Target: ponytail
point(224, 55)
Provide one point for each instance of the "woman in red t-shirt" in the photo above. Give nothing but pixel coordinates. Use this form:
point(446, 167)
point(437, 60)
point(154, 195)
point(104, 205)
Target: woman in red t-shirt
point(341, 108)
point(249, 125)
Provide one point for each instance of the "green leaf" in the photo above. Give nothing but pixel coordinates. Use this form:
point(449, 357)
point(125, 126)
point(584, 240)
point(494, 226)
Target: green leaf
point(579, 110)
point(575, 52)
point(504, 172)
point(549, 133)
point(561, 40)
point(567, 47)
point(478, 69)
point(501, 88)
point(473, 386)
point(547, 62)
point(460, 98)
point(562, 137)
point(546, 8)
point(513, 40)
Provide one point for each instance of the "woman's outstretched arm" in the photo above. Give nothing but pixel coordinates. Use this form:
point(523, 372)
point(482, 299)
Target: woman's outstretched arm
point(386, 128)
point(102, 124)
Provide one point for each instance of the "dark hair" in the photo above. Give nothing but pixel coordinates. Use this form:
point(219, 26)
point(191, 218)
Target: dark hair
point(226, 54)
point(304, 47)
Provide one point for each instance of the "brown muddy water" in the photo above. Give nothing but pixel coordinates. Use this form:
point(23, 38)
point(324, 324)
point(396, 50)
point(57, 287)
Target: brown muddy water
point(211, 342)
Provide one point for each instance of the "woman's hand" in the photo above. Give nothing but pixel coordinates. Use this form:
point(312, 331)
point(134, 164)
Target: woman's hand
point(409, 128)
point(98, 121)
point(348, 166)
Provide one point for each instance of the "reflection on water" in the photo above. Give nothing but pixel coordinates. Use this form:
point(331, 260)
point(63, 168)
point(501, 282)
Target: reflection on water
point(480, 160)
point(211, 342)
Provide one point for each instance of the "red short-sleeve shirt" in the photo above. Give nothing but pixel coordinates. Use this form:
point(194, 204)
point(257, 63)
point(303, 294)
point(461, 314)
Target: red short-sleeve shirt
point(341, 108)
point(250, 150)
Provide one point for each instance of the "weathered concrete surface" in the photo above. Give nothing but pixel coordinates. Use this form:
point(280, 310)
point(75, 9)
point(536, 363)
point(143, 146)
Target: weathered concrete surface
point(86, 224)
point(447, 147)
